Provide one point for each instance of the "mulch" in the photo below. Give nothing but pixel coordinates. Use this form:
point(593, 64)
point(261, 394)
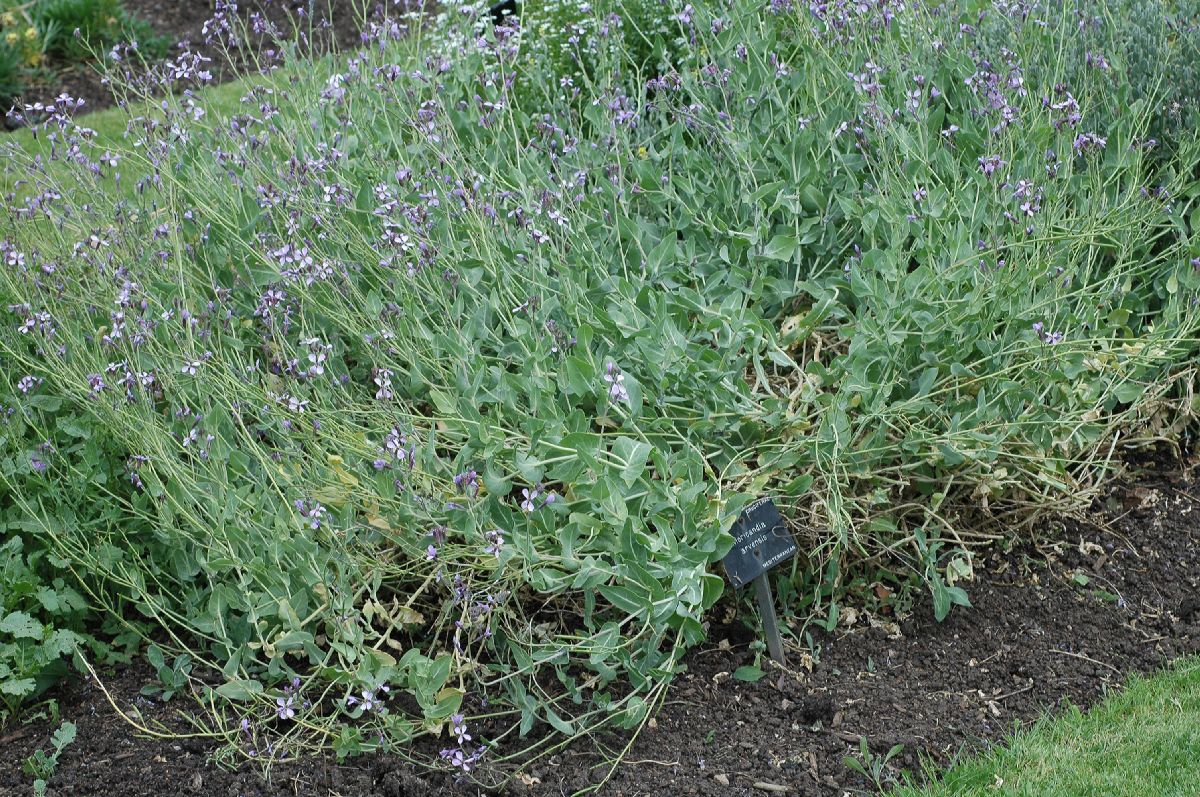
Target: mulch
point(1060, 618)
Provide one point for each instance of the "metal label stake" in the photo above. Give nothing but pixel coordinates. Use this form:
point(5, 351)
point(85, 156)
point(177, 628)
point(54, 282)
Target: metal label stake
point(761, 541)
point(766, 607)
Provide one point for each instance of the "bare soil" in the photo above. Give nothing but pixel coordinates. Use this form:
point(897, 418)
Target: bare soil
point(332, 22)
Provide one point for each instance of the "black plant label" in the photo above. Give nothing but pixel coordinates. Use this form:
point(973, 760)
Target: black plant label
point(761, 541)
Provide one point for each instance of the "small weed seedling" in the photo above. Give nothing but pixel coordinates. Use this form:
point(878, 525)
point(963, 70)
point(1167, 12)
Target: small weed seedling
point(41, 765)
point(170, 679)
point(871, 766)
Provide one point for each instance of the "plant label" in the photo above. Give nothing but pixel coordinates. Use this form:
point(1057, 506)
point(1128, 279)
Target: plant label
point(761, 541)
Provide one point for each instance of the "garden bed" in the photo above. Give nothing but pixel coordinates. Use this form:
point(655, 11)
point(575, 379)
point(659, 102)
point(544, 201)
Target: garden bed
point(1066, 619)
point(81, 79)
point(402, 412)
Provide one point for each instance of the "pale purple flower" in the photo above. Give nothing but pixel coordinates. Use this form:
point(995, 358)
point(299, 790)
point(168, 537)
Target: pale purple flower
point(615, 380)
point(312, 511)
point(383, 380)
point(284, 707)
point(468, 483)
point(1049, 338)
point(458, 726)
point(1089, 142)
point(369, 701)
point(991, 164)
point(458, 759)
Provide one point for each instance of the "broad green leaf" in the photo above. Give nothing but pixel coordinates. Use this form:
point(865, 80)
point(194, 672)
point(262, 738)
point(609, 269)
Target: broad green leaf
point(749, 674)
point(21, 626)
point(632, 455)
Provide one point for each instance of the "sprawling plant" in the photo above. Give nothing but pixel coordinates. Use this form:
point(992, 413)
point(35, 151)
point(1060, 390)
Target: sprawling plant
point(414, 409)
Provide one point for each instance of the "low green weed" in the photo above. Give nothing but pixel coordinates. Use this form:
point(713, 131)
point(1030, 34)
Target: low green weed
point(871, 766)
point(171, 679)
point(32, 651)
point(41, 765)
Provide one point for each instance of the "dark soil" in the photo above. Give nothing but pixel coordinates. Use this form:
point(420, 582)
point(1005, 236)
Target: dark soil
point(1062, 618)
point(332, 21)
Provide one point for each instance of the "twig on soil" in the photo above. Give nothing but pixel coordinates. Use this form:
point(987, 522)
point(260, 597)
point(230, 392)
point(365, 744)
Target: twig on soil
point(652, 761)
point(1011, 694)
point(149, 732)
point(762, 785)
point(1186, 495)
point(1085, 658)
point(20, 733)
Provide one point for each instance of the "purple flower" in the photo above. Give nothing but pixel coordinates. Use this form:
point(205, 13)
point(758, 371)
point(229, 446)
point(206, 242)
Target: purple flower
point(458, 759)
point(383, 380)
point(369, 701)
point(468, 483)
point(283, 707)
point(1049, 338)
point(458, 726)
point(615, 380)
point(991, 164)
point(312, 511)
point(1089, 142)
point(495, 540)
point(431, 553)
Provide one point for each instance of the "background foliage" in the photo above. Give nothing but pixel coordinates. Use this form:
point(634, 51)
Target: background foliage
point(71, 31)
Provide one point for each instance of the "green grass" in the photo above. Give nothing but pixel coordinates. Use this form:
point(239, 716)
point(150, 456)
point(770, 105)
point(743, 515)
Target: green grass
point(1144, 740)
point(219, 102)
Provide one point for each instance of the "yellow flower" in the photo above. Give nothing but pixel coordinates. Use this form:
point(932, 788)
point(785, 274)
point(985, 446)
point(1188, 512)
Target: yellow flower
point(12, 38)
point(34, 59)
point(30, 33)
point(7, 19)
point(642, 152)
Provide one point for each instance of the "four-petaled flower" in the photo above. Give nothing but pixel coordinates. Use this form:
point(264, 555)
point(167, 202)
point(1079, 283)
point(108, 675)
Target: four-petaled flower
point(530, 502)
point(616, 383)
point(495, 540)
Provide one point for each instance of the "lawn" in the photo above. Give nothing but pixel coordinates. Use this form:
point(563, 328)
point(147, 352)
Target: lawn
point(1145, 739)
